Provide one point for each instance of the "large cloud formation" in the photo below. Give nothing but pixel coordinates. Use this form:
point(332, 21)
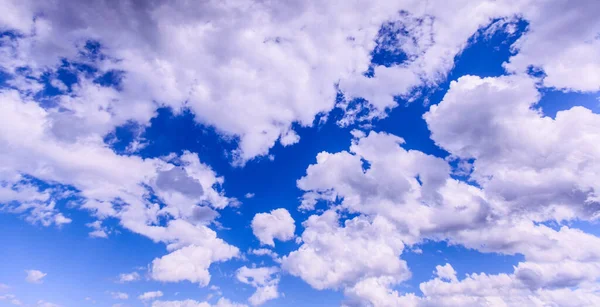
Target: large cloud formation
point(527, 169)
point(254, 70)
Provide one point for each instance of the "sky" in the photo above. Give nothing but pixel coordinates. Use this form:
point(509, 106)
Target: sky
point(299, 153)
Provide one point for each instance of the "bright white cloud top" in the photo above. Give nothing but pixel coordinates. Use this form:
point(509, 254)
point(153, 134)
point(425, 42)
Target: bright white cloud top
point(335, 147)
point(35, 276)
point(278, 224)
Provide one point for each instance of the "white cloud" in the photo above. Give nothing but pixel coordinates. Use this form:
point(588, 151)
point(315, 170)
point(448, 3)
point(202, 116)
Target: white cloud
point(42, 303)
point(191, 262)
point(334, 256)
point(119, 295)
point(445, 272)
point(35, 276)
point(249, 195)
point(278, 224)
point(264, 279)
point(528, 169)
point(151, 295)
point(129, 277)
point(222, 302)
point(575, 64)
point(537, 165)
point(265, 252)
point(21, 197)
point(279, 65)
point(12, 299)
point(99, 231)
point(254, 78)
point(111, 185)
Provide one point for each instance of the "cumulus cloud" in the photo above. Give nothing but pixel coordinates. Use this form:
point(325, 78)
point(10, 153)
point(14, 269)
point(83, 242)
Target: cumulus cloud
point(254, 87)
point(191, 262)
point(150, 295)
point(98, 230)
point(222, 302)
point(526, 169)
point(129, 277)
point(446, 272)
point(11, 298)
point(334, 256)
point(573, 66)
point(265, 252)
point(119, 295)
point(254, 71)
point(35, 276)
point(21, 196)
point(102, 176)
point(537, 165)
point(42, 303)
point(278, 224)
point(264, 279)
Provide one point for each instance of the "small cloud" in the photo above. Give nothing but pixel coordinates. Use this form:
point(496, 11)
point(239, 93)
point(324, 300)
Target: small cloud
point(249, 195)
point(119, 295)
point(98, 234)
point(11, 299)
point(35, 276)
point(99, 231)
point(150, 295)
point(123, 278)
point(42, 303)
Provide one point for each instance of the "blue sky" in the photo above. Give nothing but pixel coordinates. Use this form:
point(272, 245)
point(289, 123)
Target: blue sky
point(246, 153)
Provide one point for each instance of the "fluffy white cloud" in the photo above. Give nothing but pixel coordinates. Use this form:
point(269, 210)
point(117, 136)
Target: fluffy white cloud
point(119, 295)
point(334, 256)
point(19, 196)
point(489, 290)
point(527, 169)
point(537, 166)
point(253, 70)
point(150, 295)
point(264, 279)
point(111, 185)
point(278, 224)
point(191, 262)
point(98, 231)
point(446, 272)
point(35, 276)
point(251, 77)
point(575, 65)
point(42, 303)
point(222, 302)
point(265, 252)
point(129, 277)
point(11, 298)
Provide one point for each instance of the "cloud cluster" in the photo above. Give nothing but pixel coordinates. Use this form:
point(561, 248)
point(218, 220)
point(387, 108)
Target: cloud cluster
point(264, 279)
point(251, 78)
point(526, 169)
point(222, 302)
point(254, 70)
